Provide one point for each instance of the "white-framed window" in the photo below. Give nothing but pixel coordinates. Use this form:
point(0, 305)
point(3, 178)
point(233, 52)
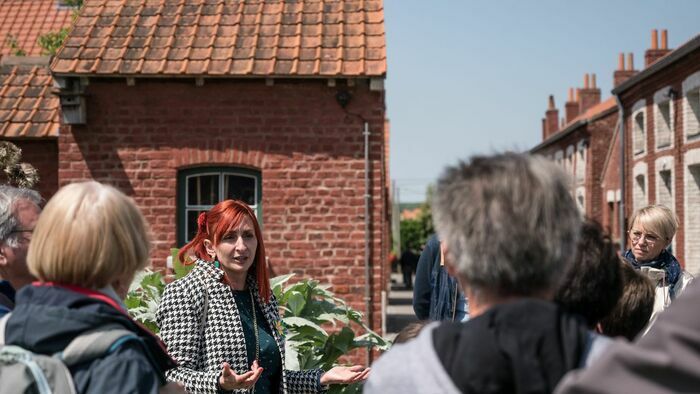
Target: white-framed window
point(639, 187)
point(691, 106)
point(691, 202)
point(581, 162)
point(663, 118)
point(581, 199)
point(569, 162)
point(199, 189)
point(639, 137)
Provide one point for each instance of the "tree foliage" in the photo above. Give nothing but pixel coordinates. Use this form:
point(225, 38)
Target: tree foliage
point(415, 232)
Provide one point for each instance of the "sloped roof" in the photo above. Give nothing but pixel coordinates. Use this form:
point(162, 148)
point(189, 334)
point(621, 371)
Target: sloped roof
point(259, 38)
point(591, 114)
point(26, 20)
point(27, 107)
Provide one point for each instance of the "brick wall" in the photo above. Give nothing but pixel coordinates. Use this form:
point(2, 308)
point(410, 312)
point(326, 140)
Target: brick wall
point(671, 76)
point(309, 151)
point(43, 155)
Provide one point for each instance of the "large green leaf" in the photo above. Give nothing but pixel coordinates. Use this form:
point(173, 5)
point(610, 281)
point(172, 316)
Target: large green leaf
point(296, 302)
point(300, 322)
point(181, 270)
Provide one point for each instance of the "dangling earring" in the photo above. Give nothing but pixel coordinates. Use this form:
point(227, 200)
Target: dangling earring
point(216, 261)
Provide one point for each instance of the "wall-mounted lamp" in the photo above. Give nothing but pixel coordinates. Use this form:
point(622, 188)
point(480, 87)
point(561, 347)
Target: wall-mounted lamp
point(343, 98)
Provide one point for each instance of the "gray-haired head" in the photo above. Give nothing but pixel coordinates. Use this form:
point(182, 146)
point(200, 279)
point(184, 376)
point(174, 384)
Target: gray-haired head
point(8, 220)
point(509, 221)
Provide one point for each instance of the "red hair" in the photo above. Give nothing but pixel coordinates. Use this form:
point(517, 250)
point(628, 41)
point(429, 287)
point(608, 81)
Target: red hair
point(214, 224)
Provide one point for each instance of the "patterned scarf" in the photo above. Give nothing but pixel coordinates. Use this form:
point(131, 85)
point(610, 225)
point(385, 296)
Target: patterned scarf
point(664, 261)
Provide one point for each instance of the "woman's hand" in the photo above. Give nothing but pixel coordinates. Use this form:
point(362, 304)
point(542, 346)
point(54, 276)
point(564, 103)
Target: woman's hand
point(230, 381)
point(345, 375)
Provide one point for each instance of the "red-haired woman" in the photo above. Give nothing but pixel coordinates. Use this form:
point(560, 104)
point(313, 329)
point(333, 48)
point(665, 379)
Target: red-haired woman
point(221, 321)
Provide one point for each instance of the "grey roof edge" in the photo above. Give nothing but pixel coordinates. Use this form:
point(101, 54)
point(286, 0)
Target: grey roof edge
point(677, 54)
point(559, 135)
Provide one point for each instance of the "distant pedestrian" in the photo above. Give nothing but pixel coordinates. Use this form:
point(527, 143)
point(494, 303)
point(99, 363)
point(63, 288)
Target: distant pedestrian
point(409, 261)
point(437, 295)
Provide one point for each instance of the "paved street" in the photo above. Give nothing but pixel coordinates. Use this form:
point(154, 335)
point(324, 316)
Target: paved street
point(399, 309)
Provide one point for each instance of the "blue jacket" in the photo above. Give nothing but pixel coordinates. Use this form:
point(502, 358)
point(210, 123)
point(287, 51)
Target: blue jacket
point(46, 319)
point(436, 294)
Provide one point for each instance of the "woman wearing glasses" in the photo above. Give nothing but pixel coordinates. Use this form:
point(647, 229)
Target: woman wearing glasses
point(650, 233)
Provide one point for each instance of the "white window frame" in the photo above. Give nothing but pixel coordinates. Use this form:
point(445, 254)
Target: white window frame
point(640, 170)
point(691, 107)
point(662, 98)
point(639, 133)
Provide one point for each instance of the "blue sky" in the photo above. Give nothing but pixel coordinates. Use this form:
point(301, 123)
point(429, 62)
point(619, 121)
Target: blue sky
point(467, 77)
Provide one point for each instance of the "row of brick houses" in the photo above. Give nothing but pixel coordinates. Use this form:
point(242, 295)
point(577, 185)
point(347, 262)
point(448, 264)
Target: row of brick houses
point(656, 157)
point(182, 104)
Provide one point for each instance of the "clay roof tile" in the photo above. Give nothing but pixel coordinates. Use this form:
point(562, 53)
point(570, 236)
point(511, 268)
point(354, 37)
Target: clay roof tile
point(270, 38)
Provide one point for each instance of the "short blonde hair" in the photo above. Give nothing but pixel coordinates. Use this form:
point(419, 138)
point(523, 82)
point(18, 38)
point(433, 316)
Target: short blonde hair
point(88, 235)
point(658, 219)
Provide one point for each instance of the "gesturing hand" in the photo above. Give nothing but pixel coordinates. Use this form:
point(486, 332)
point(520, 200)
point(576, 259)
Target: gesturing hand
point(230, 381)
point(345, 375)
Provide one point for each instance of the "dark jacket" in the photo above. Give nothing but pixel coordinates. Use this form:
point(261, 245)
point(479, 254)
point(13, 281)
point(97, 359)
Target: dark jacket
point(7, 297)
point(435, 294)
point(524, 346)
point(663, 361)
point(47, 318)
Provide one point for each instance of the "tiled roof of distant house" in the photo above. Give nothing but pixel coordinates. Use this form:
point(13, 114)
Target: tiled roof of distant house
point(255, 38)
point(26, 20)
point(27, 107)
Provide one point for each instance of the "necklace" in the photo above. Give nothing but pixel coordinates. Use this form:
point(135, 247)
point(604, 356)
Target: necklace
point(255, 325)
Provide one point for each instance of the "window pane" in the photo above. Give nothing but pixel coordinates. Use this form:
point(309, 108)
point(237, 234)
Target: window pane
point(240, 188)
point(191, 224)
point(203, 190)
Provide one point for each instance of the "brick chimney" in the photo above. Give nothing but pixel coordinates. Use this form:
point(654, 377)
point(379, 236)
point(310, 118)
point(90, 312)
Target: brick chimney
point(551, 118)
point(623, 71)
point(655, 53)
point(571, 106)
point(589, 95)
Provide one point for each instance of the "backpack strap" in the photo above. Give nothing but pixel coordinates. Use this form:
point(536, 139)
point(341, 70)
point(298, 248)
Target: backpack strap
point(3, 324)
point(95, 344)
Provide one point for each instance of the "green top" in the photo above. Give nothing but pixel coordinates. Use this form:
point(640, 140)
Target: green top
point(270, 360)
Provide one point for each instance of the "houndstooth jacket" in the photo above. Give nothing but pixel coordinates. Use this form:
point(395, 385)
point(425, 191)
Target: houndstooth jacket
point(200, 357)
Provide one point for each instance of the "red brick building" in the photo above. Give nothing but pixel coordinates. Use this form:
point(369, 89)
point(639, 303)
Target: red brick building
point(661, 119)
point(281, 104)
point(660, 108)
point(29, 113)
point(580, 142)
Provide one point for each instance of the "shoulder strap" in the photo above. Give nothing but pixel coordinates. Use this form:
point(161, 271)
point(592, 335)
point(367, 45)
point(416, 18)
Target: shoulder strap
point(3, 324)
point(94, 344)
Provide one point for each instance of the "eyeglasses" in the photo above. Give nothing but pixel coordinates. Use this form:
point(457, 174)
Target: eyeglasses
point(636, 236)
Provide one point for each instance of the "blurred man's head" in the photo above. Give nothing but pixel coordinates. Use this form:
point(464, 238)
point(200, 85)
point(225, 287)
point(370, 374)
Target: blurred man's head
point(593, 284)
point(633, 309)
point(19, 212)
point(509, 224)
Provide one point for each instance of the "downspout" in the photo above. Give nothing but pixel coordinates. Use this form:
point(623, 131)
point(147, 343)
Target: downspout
point(621, 214)
point(368, 277)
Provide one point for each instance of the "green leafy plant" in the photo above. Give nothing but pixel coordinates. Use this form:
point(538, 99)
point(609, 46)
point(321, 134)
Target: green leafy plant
point(144, 296)
point(17, 174)
point(52, 41)
point(15, 50)
point(318, 326)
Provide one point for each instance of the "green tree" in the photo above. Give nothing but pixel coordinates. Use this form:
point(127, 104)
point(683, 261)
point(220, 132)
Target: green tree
point(415, 232)
point(53, 40)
